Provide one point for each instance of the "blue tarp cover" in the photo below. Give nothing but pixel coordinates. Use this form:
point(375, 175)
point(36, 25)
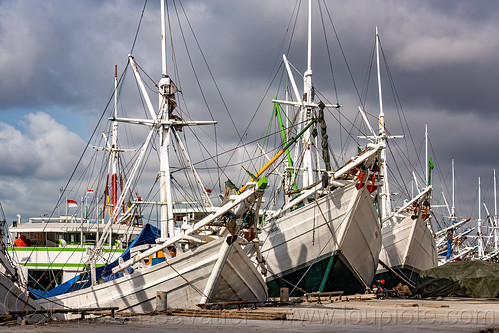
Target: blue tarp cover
point(148, 235)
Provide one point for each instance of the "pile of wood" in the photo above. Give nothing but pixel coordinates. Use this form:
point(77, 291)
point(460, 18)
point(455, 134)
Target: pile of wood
point(230, 314)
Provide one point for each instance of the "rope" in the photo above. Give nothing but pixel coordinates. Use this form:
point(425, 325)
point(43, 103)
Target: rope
point(327, 243)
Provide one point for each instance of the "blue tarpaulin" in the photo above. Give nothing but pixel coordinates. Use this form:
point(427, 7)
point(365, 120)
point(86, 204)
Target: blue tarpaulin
point(148, 235)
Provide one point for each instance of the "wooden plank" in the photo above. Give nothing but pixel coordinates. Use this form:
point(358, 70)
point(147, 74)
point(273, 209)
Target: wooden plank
point(220, 305)
point(60, 310)
point(257, 315)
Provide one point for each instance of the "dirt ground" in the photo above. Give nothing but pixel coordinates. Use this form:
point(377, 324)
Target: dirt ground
point(390, 315)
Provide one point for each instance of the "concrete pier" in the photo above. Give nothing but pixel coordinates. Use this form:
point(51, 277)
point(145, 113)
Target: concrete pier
point(368, 315)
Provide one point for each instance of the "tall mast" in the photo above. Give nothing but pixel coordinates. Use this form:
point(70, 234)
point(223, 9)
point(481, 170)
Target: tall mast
point(307, 111)
point(165, 196)
point(426, 153)
point(160, 121)
point(386, 200)
point(380, 95)
point(453, 209)
point(307, 91)
point(114, 146)
point(496, 240)
point(163, 39)
point(479, 233)
point(309, 49)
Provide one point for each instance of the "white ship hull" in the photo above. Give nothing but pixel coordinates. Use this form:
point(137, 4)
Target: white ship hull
point(52, 258)
point(332, 240)
point(408, 245)
point(13, 298)
point(68, 261)
point(185, 278)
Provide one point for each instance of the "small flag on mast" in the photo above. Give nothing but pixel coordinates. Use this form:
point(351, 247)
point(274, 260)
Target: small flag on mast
point(72, 203)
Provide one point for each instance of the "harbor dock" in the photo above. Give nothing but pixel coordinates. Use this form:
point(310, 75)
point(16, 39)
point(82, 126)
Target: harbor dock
point(360, 313)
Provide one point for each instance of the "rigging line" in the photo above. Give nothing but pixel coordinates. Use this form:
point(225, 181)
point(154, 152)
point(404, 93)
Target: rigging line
point(268, 129)
point(138, 27)
point(226, 258)
point(344, 148)
point(419, 249)
point(212, 77)
point(170, 35)
point(209, 176)
point(150, 79)
point(248, 160)
point(318, 93)
point(286, 281)
point(276, 165)
point(237, 147)
point(174, 54)
point(437, 164)
point(214, 158)
point(77, 165)
point(419, 153)
point(294, 13)
point(327, 243)
point(93, 133)
point(349, 132)
point(133, 186)
point(367, 79)
point(180, 190)
point(294, 24)
point(202, 154)
point(398, 169)
point(291, 122)
point(296, 10)
point(196, 75)
point(271, 79)
point(393, 176)
point(11, 294)
point(195, 195)
point(397, 97)
point(268, 135)
point(344, 55)
point(278, 59)
point(185, 279)
point(403, 154)
point(240, 142)
point(328, 54)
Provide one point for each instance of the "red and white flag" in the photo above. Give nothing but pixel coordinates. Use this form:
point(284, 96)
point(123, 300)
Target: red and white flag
point(90, 191)
point(72, 203)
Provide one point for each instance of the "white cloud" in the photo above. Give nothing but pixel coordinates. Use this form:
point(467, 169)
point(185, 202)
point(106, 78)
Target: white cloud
point(45, 149)
point(15, 150)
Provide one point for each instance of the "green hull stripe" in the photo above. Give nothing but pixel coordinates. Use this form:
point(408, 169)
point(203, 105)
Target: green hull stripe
point(326, 273)
point(66, 249)
point(339, 278)
point(54, 265)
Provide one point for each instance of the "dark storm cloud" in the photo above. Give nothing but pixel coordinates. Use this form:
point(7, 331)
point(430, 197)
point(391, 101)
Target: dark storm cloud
point(58, 53)
point(442, 56)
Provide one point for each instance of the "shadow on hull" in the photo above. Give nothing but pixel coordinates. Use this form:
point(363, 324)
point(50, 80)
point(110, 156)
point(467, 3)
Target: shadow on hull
point(325, 275)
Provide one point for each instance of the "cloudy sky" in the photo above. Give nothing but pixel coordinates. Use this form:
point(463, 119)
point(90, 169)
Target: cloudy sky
point(57, 65)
